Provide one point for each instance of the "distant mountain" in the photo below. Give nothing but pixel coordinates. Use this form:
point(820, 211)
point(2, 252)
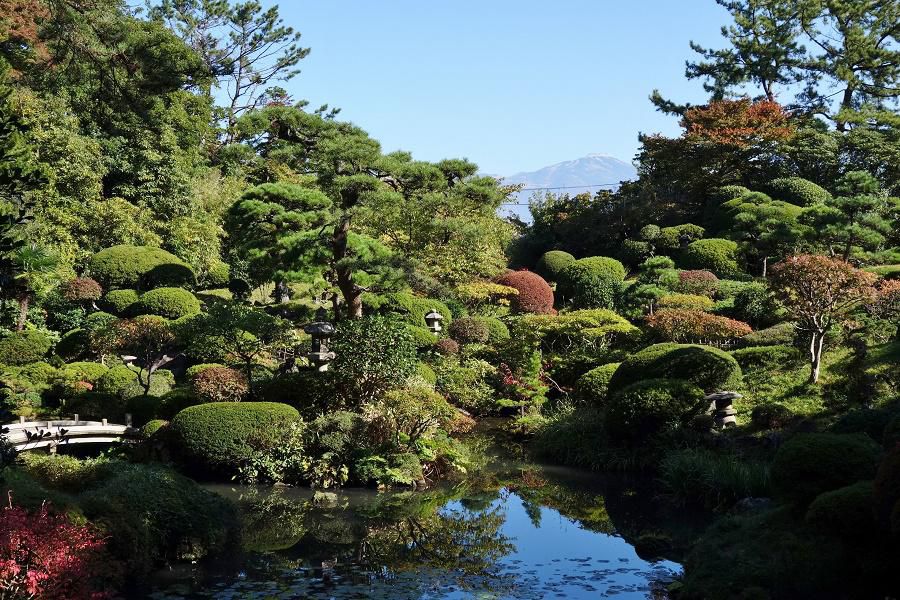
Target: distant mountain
point(587, 174)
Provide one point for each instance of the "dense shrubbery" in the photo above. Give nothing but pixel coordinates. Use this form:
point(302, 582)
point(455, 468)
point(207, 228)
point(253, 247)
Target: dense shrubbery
point(686, 302)
point(708, 368)
point(770, 416)
point(592, 387)
point(772, 358)
point(593, 282)
point(848, 512)
point(652, 406)
point(218, 436)
point(140, 267)
point(219, 384)
point(23, 347)
point(119, 302)
point(535, 294)
point(796, 190)
point(810, 464)
point(687, 325)
point(552, 263)
point(698, 282)
point(469, 330)
point(171, 303)
point(717, 255)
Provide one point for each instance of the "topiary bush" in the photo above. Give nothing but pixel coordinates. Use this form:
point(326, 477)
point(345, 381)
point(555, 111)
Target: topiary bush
point(218, 436)
point(686, 302)
point(782, 334)
point(168, 302)
point(770, 416)
point(73, 345)
point(713, 254)
point(413, 309)
point(446, 347)
point(847, 512)
point(810, 464)
point(220, 384)
point(700, 282)
point(775, 358)
point(755, 304)
point(422, 337)
point(426, 373)
point(674, 238)
point(194, 370)
point(552, 263)
point(23, 347)
point(81, 289)
point(140, 267)
point(651, 407)
point(84, 371)
point(535, 294)
point(708, 368)
point(469, 330)
point(796, 190)
point(635, 252)
point(593, 387)
point(119, 302)
point(497, 329)
point(593, 282)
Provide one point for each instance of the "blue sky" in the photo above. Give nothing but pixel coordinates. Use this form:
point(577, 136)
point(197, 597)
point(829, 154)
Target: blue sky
point(511, 85)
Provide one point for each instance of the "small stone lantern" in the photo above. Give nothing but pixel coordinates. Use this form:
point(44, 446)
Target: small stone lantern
point(320, 330)
point(433, 321)
point(722, 404)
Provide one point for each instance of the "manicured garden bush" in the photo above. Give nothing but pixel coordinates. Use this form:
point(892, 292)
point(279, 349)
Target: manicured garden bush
point(673, 238)
point(725, 193)
point(714, 254)
point(120, 302)
point(535, 294)
point(426, 373)
point(220, 384)
point(74, 345)
point(23, 347)
point(635, 252)
point(810, 464)
point(122, 381)
point(168, 302)
point(81, 289)
point(413, 309)
point(782, 334)
point(708, 368)
point(497, 329)
point(698, 282)
point(422, 337)
point(592, 282)
point(886, 271)
point(466, 385)
point(770, 416)
point(446, 347)
point(871, 421)
point(683, 325)
point(796, 190)
point(195, 370)
point(217, 436)
point(774, 358)
point(552, 263)
point(651, 407)
point(84, 371)
point(469, 330)
point(756, 305)
point(150, 428)
point(140, 267)
point(847, 512)
point(686, 302)
point(592, 387)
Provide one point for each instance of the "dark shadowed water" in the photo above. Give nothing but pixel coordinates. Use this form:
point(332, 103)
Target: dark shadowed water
point(526, 532)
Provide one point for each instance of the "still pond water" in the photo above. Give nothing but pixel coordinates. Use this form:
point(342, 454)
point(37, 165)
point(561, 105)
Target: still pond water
point(525, 531)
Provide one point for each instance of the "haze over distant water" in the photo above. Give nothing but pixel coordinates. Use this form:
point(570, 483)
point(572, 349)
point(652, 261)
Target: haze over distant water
point(587, 174)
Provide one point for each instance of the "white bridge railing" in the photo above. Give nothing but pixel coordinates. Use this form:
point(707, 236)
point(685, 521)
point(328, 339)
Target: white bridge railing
point(31, 435)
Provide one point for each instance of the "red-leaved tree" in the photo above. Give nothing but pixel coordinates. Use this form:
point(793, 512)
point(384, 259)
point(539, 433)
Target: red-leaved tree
point(818, 290)
point(687, 325)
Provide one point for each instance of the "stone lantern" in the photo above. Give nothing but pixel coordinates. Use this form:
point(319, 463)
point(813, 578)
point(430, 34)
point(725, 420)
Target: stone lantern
point(320, 331)
point(433, 321)
point(722, 405)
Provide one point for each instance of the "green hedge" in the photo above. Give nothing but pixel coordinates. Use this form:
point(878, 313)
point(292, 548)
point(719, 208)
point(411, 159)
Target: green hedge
point(766, 357)
point(497, 329)
point(593, 282)
point(810, 464)
point(593, 387)
point(847, 512)
point(140, 267)
point(171, 303)
point(119, 302)
point(713, 254)
point(218, 436)
point(413, 308)
point(651, 407)
point(782, 334)
point(23, 347)
point(552, 263)
point(796, 190)
point(73, 345)
point(708, 368)
point(85, 371)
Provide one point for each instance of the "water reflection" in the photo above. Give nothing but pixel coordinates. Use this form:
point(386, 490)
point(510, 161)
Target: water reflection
point(503, 537)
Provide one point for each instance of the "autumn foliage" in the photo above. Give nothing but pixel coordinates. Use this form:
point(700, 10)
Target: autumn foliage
point(738, 123)
point(703, 283)
point(535, 294)
point(44, 555)
point(686, 325)
point(220, 384)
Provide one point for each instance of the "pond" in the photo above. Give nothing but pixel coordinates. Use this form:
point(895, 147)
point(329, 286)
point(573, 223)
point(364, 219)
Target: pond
point(520, 531)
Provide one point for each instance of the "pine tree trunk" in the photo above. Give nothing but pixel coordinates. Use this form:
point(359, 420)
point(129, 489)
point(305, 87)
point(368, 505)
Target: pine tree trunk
point(343, 273)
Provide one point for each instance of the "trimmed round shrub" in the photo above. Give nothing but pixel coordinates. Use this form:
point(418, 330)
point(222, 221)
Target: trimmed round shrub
point(119, 302)
point(469, 330)
point(219, 436)
point(446, 347)
point(426, 373)
point(725, 193)
point(140, 267)
point(686, 302)
point(591, 282)
point(651, 407)
point(117, 381)
point(592, 387)
point(174, 401)
point(770, 416)
point(23, 347)
point(217, 275)
point(673, 238)
point(143, 408)
point(810, 464)
point(713, 254)
point(171, 303)
point(796, 190)
point(74, 344)
point(219, 384)
point(766, 357)
point(535, 294)
point(552, 263)
point(635, 252)
point(782, 334)
point(422, 337)
point(710, 369)
point(194, 370)
point(81, 289)
point(648, 233)
point(847, 512)
point(151, 427)
point(700, 283)
point(756, 305)
point(413, 309)
point(84, 371)
point(39, 372)
point(497, 329)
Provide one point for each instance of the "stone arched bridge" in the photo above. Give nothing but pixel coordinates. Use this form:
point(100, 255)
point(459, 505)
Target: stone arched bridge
point(31, 435)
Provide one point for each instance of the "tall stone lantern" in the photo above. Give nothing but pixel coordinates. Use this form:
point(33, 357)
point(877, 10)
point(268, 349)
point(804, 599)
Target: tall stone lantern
point(320, 331)
point(433, 321)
